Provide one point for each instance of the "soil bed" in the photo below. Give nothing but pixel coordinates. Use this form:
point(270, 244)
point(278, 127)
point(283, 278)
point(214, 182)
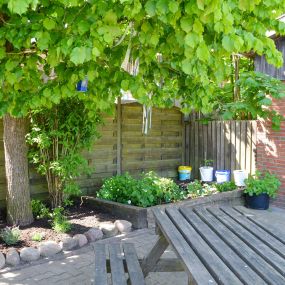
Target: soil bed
point(82, 218)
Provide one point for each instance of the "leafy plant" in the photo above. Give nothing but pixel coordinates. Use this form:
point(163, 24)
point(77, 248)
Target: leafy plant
point(226, 186)
point(208, 162)
point(10, 235)
point(39, 209)
point(149, 190)
point(197, 189)
point(262, 183)
point(37, 237)
point(57, 138)
point(59, 221)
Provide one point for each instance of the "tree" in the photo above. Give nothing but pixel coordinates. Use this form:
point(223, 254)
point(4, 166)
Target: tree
point(46, 47)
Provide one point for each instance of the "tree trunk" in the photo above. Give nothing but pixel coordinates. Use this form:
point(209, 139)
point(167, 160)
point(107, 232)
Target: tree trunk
point(19, 210)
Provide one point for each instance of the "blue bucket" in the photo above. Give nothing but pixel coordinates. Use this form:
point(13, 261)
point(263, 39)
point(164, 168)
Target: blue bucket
point(223, 176)
point(184, 174)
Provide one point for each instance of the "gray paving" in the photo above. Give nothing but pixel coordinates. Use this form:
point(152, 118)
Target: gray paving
point(77, 267)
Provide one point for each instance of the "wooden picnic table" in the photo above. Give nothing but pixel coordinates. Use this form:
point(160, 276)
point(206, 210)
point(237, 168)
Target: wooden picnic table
point(220, 245)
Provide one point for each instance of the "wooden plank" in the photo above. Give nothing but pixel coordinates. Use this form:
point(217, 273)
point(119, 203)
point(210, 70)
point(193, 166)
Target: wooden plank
point(227, 135)
point(243, 145)
point(210, 141)
point(217, 268)
point(248, 147)
point(151, 259)
point(276, 232)
point(248, 238)
point(196, 148)
point(254, 260)
point(100, 264)
point(117, 264)
point(119, 137)
point(229, 257)
point(253, 146)
point(133, 265)
point(233, 146)
point(183, 153)
point(222, 148)
point(205, 141)
point(257, 231)
point(193, 266)
point(214, 139)
point(237, 146)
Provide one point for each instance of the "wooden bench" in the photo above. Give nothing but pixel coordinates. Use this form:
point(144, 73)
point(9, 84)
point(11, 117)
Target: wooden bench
point(121, 261)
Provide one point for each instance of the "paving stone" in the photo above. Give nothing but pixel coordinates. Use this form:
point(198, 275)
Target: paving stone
point(2, 260)
point(29, 254)
point(82, 239)
point(123, 226)
point(94, 234)
point(49, 248)
point(12, 257)
point(69, 243)
point(108, 229)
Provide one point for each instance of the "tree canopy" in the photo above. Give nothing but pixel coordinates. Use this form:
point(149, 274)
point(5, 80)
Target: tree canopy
point(46, 47)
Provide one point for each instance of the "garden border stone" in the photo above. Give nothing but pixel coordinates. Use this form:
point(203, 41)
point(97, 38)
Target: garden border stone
point(143, 217)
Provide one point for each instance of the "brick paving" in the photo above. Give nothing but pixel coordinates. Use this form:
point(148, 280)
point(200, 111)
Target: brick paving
point(78, 266)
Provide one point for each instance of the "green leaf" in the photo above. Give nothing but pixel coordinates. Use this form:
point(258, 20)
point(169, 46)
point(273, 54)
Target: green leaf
point(187, 66)
point(198, 27)
point(192, 40)
point(200, 4)
point(2, 53)
point(228, 44)
point(150, 8)
point(18, 6)
point(95, 52)
point(162, 6)
point(83, 27)
point(203, 52)
point(49, 24)
point(186, 24)
point(110, 18)
point(173, 6)
point(78, 55)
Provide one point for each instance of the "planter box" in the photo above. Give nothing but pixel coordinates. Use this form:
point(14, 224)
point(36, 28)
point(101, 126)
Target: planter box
point(136, 215)
point(143, 217)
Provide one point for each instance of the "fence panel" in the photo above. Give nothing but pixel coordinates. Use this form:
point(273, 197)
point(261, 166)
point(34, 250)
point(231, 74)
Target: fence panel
point(230, 144)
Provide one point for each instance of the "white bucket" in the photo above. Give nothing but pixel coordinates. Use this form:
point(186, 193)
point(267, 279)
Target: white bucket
point(206, 173)
point(239, 177)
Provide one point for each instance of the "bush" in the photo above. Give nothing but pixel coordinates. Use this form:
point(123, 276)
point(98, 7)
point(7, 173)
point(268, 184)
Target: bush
point(10, 235)
point(37, 237)
point(226, 186)
point(147, 191)
point(197, 189)
point(59, 221)
point(39, 209)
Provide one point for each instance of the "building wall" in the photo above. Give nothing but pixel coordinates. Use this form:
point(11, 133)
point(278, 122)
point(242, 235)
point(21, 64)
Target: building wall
point(271, 150)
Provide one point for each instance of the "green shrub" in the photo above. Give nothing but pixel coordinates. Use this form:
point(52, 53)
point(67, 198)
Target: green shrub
point(262, 183)
point(10, 235)
point(197, 189)
point(39, 209)
point(226, 186)
point(37, 237)
point(147, 191)
point(59, 221)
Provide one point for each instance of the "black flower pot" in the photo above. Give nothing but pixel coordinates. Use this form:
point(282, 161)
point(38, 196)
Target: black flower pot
point(257, 202)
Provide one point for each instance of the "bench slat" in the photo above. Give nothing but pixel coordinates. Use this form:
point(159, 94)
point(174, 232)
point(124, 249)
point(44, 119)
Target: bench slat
point(256, 244)
point(268, 273)
point(260, 233)
point(210, 259)
point(100, 265)
point(229, 257)
point(133, 265)
point(198, 273)
point(117, 265)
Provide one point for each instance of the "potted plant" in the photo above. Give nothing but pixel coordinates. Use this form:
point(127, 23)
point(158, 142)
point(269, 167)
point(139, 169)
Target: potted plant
point(207, 170)
point(259, 188)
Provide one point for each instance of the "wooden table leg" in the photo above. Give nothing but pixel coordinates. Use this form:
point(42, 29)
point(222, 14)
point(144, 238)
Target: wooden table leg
point(149, 262)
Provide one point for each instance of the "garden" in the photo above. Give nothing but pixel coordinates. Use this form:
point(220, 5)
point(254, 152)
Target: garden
point(65, 65)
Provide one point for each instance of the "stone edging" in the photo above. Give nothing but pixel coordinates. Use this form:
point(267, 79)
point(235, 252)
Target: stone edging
point(48, 249)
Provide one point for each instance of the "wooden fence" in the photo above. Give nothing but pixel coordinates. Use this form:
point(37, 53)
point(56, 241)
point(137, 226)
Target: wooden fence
point(122, 147)
point(230, 144)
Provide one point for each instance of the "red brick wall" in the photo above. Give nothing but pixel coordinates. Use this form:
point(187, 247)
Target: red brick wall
point(270, 150)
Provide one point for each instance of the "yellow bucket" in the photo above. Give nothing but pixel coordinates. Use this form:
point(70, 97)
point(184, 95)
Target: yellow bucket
point(184, 172)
